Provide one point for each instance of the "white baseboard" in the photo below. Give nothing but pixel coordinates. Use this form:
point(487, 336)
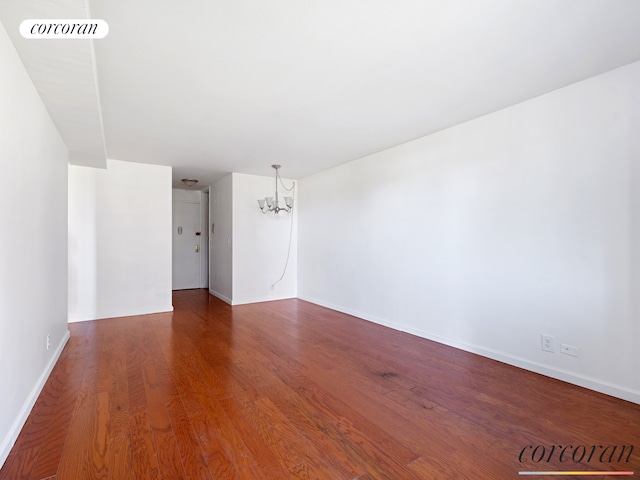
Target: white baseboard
point(221, 297)
point(12, 436)
point(116, 313)
point(245, 301)
point(549, 371)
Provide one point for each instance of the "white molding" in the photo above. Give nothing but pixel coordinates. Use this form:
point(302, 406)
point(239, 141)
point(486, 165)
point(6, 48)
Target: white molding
point(87, 317)
point(221, 297)
point(245, 301)
point(14, 431)
point(553, 372)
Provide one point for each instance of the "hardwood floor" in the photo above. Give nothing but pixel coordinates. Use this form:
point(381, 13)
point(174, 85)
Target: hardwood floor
point(289, 389)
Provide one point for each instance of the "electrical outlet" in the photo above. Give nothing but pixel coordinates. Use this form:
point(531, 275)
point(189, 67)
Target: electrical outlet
point(48, 342)
point(569, 350)
point(548, 343)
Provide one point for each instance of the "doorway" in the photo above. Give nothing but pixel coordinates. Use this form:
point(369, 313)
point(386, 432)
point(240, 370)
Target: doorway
point(190, 239)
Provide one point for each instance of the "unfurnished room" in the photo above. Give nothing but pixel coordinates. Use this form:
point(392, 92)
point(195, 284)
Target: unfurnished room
point(319, 240)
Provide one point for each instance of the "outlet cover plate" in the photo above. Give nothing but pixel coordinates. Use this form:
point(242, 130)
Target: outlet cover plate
point(548, 343)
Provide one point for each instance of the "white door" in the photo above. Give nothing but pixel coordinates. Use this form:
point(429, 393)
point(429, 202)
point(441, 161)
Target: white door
point(187, 245)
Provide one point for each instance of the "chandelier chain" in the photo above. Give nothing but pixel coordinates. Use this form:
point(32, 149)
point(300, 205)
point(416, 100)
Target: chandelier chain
point(286, 263)
point(283, 185)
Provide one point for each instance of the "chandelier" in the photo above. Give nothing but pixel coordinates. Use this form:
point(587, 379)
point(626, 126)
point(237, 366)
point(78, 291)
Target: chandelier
point(274, 205)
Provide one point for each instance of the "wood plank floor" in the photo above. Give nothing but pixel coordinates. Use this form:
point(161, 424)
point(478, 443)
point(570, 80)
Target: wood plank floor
point(289, 389)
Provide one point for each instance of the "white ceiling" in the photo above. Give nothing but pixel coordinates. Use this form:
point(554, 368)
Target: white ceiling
point(63, 71)
point(210, 87)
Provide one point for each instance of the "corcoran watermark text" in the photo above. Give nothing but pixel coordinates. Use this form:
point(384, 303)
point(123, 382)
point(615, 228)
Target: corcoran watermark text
point(576, 454)
point(64, 29)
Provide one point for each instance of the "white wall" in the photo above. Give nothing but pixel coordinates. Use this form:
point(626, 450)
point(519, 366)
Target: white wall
point(119, 240)
point(33, 242)
point(487, 235)
point(261, 243)
point(249, 249)
point(221, 242)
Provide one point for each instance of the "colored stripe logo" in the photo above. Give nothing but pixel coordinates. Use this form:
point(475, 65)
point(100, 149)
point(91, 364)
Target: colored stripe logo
point(576, 473)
